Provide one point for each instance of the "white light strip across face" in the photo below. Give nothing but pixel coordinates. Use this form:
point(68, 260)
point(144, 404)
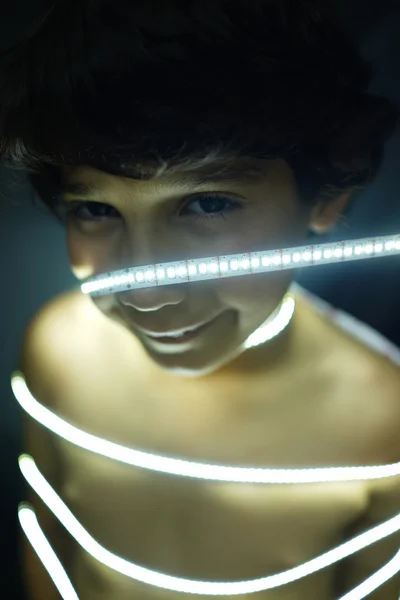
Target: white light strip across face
point(185, 468)
point(45, 552)
point(43, 489)
point(251, 263)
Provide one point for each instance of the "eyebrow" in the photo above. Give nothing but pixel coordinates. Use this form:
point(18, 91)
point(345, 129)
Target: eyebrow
point(79, 189)
point(227, 175)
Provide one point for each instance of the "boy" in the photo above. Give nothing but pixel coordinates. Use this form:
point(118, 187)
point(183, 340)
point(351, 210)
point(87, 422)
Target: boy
point(157, 130)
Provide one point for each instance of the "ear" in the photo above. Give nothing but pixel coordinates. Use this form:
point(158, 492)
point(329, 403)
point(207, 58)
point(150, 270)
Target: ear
point(325, 215)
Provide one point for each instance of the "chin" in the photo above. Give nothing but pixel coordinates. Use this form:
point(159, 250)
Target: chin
point(189, 367)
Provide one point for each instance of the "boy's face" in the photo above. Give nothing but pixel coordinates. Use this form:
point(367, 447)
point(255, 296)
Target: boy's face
point(174, 218)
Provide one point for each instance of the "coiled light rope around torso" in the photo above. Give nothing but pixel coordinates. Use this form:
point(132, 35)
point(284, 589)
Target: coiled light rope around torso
point(199, 471)
point(181, 272)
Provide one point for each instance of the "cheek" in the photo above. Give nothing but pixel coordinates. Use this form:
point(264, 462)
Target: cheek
point(87, 258)
point(257, 295)
point(106, 306)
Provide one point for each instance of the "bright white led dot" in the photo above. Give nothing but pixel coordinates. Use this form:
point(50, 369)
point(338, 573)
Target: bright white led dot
point(245, 263)
point(317, 255)
point(397, 245)
point(265, 261)
point(234, 264)
point(338, 252)
point(348, 251)
point(139, 276)
point(192, 270)
point(255, 262)
point(327, 253)
point(150, 275)
point(277, 260)
point(182, 271)
point(358, 250)
point(306, 255)
point(369, 248)
point(389, 245)
point(171, 272)
point(286, 259)
point(223, 267)
point(296, 257)
point(213, 267)
point(378, 247)
point(203, 268)
point(160, 274)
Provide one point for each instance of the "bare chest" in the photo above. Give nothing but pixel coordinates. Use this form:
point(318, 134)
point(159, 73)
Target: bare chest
point(213, 530)
point(210, 530)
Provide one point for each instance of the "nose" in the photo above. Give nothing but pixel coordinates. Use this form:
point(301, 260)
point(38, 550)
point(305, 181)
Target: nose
point(145, 245)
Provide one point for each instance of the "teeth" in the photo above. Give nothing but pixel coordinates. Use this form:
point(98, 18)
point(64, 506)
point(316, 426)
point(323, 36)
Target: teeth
point(181, 334)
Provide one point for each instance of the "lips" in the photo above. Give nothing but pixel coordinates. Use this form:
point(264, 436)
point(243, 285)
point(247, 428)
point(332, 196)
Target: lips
point(179, 333)
point(171, 332)
point(182, 339)
point(173, 335)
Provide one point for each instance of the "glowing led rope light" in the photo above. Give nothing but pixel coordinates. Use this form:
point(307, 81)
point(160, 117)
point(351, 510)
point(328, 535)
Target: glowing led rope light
point(44, 490)
point(376, 580)
point(45, 552)
point(187, 468)
point(234, 265)
point(32, 528)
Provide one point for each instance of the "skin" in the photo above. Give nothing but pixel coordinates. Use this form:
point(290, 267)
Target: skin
point(219, 528)
point(162, 220)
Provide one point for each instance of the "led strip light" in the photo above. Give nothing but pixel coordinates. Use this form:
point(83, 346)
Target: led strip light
point(45, 552)
point(218, 267)
point(185, 468)
point(181, 272)
point(56, 505)
point(200, 471)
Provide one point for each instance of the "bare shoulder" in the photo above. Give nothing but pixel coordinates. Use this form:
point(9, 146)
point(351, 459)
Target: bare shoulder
point(64, 319)
point(376, 397)
point(70, 347)
point(345, 351)
point(40, 354)
point(67, 305)
point(384, 389)
point(364, 382)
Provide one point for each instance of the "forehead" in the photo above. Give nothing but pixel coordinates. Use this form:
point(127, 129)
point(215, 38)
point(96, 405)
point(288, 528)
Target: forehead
point(85, 180)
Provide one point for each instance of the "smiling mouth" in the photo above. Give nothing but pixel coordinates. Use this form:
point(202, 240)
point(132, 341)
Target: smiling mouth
point(181, 338)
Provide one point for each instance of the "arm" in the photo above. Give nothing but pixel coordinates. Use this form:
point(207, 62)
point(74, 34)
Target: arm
point(37, 581)
point(384, 504)
point(40, 444)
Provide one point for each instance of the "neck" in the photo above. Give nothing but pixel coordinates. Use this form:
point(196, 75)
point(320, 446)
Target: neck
point(270, 348)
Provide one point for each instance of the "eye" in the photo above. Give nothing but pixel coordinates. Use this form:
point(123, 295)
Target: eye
point(205, 206)
point(212, 206)
point(90, 211)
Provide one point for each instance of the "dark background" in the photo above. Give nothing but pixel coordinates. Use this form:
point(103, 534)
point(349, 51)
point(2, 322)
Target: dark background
point(34, 261)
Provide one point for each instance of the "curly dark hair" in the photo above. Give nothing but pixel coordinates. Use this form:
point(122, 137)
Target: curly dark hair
point(140, 88)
